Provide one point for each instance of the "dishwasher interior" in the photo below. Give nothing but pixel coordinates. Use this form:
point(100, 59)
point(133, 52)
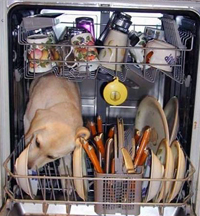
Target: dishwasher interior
point(108, 194)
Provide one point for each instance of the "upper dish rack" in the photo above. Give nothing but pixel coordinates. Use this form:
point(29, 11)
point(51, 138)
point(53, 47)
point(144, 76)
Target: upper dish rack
point(182, 40)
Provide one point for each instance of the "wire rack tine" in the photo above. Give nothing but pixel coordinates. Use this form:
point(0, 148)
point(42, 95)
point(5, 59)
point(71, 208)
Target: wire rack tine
point(64, 185)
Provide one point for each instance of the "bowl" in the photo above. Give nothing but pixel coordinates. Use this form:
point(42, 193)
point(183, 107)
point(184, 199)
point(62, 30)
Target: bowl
point(28, 185)
point(155, 169)
point(180, 167)
point(164, 154)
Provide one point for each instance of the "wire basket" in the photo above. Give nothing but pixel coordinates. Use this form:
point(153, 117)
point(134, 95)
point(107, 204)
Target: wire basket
point(183, 41)
point(118, 191)
point(109, 193)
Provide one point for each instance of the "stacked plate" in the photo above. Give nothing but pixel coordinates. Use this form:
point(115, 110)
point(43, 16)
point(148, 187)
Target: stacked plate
point(166, 159)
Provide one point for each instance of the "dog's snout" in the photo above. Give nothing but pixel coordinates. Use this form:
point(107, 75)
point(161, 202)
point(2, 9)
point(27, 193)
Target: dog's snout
point(30, 165)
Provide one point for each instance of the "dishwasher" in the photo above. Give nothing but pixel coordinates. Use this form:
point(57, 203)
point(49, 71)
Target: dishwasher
point(123, 79)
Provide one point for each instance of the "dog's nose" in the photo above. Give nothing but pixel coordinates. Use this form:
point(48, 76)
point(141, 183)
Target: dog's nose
point(30, 165)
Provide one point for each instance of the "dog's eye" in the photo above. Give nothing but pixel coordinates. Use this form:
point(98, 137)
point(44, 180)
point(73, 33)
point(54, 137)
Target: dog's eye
point(51, 157)
point(37, 144)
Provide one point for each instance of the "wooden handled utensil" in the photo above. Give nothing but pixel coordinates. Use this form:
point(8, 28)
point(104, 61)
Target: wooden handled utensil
point(99, 124)
point(137, 137)
point(111, 132)
point(143, 144)
point(100, 145)
point(143, 157)
point(93, 129)
point(109, 155)
point(91, 154)
point(128, 161)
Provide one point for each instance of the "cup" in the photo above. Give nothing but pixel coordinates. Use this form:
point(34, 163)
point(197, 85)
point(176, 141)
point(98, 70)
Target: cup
point(153, 33)
point(86, 23)
point(166, 54)
point(37, 52)
point(51, 34)
point(137, 53)
point(116, 55)
point(86, 57)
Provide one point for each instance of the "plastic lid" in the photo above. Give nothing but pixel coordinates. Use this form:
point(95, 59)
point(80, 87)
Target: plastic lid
point(134, 39)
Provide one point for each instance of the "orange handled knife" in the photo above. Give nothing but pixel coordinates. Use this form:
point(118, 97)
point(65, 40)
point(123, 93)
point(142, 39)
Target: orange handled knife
point(111, 132)
point(99, 124)
point(100, 145)
point(143, 144)
point(93, 129)
point(91, 154)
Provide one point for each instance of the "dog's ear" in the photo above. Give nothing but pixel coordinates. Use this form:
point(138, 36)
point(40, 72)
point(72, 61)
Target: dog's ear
point(81, 132)
point(38, 123)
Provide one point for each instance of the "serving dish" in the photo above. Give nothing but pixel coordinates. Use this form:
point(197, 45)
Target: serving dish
point(151, 114)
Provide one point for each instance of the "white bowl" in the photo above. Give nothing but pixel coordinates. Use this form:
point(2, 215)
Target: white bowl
point(164, 154)
point(171, 112)
point(28, 185)
point(180, 167)
point(157, 170)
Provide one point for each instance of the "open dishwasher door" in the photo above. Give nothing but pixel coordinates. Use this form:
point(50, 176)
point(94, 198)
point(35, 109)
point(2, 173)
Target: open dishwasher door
point(135, 65)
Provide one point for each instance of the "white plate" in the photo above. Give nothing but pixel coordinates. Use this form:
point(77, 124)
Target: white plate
point(80, 170)
point(147, 173)
point(150, 113)
point(171, 112)
point(164, 154)
point(157, 170)
point(28, 185)
point(180, 167)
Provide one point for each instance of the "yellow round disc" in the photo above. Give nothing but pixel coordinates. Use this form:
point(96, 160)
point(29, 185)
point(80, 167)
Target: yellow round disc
point(115, 93)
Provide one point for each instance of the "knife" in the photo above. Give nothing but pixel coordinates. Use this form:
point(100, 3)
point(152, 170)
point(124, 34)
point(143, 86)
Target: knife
point(143, 144)
point(99, 124)
point(91, 154)
point(93, 129)
point(100, 145)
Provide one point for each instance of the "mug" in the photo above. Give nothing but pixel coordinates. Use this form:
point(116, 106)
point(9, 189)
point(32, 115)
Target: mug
point(153, 33)
point(38, 52)
point(86, 23)
point(161, 56)
point(87, 57)
point(137, 53)
point(114, 38)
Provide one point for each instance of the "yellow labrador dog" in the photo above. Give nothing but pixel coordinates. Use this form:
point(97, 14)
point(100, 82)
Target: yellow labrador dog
point(53, 120)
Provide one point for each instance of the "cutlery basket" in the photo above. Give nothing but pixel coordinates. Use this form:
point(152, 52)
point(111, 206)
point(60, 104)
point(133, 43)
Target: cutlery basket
point(118, 194)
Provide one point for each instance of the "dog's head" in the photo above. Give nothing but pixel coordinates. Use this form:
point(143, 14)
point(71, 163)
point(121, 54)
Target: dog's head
point(51, 138)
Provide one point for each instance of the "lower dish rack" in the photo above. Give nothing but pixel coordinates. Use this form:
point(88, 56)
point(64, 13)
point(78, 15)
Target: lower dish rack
point(109, 193)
